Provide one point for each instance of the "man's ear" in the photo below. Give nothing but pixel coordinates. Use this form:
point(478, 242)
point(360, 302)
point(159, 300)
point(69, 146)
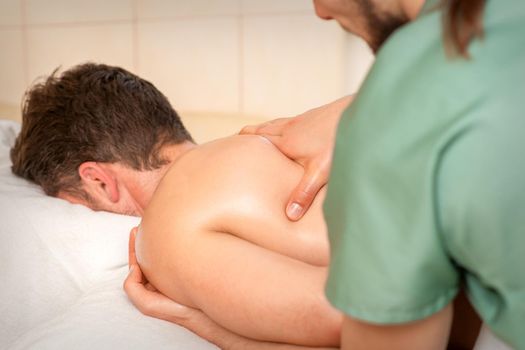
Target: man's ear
point(99, 181)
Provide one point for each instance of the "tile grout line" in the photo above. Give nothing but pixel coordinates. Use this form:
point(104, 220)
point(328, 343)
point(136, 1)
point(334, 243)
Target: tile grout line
point(25, 43)
point(226, 15)
point(10, 26)
point(135, 38)
point(80, 23)
point(151, 19)
point(241, 59)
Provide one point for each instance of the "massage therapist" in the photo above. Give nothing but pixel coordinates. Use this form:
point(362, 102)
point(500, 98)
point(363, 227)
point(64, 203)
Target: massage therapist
point(426, 191)
point(426, 185)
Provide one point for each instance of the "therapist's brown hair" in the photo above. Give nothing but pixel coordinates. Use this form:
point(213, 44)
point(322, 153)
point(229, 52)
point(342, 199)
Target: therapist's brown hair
point(463, 22)
point(92, 112)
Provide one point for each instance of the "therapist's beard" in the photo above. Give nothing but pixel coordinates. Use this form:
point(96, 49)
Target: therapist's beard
point(380, 25)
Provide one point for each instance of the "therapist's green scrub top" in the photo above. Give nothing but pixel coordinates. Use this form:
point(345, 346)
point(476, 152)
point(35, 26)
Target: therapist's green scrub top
point(427, 188)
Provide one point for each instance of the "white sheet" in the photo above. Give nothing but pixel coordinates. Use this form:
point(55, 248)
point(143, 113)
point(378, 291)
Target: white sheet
point(62, 268)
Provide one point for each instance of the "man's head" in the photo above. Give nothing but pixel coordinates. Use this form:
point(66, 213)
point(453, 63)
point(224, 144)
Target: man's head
point(98, 135)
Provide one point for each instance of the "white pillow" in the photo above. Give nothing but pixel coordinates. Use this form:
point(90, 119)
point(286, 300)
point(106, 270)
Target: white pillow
point(50, 250)
point(62, 268)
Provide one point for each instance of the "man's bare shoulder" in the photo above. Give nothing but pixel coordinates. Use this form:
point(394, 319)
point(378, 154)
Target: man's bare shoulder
point(239, 185)
point(232, 155)
point(238, 171)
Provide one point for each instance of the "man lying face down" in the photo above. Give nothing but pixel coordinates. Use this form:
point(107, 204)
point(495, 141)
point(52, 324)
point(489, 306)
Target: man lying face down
point(213, 235)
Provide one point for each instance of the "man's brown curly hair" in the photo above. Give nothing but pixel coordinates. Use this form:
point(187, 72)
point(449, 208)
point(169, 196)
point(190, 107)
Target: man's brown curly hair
point(92, 112)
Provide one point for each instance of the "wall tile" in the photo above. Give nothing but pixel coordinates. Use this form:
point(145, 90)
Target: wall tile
point(10, 12)
point(283, 61)
point(208, 126)
point(276, 6)
point(176, 8)
point(292, 63)
point(12, 84)
point(72, 11)
point(194, 62)
point(50, 47)
point(360, 59)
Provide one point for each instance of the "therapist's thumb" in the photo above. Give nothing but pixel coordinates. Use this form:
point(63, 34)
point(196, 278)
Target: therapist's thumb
point(305, 192)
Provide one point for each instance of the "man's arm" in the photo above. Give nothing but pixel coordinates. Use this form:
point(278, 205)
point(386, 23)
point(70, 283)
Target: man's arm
point(152, 303)
point(431, 333)
point(255, 292)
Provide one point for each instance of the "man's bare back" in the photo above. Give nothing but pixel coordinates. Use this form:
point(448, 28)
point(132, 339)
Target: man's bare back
point(215, 237)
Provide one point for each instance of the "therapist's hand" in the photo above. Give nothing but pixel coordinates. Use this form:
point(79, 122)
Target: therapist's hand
point(309, 140)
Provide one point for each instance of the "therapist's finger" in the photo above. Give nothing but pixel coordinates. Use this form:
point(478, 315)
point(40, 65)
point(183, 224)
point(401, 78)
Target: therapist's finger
point(304, 194)
point(272, 127)
point(132, 257)
point(248, 130)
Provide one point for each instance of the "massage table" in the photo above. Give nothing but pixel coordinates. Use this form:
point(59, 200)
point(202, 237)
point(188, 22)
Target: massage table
point(62, 268)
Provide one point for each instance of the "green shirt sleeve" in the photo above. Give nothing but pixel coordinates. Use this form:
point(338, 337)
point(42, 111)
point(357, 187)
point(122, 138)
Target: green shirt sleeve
point(481, 201)
point(389, 263)
point(427, 187)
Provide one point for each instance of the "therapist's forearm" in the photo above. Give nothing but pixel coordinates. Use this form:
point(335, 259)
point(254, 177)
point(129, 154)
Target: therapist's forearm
point(336, 108)
point(343, 102)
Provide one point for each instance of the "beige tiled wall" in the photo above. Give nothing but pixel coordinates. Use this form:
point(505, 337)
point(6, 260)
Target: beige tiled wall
point(291, 63)
point(194, 61)
point(247, 58)
point(75, 11)
point(12, 70)
point(51, 46)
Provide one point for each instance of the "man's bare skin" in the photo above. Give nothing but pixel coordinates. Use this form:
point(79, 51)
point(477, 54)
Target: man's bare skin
point(215, 237)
